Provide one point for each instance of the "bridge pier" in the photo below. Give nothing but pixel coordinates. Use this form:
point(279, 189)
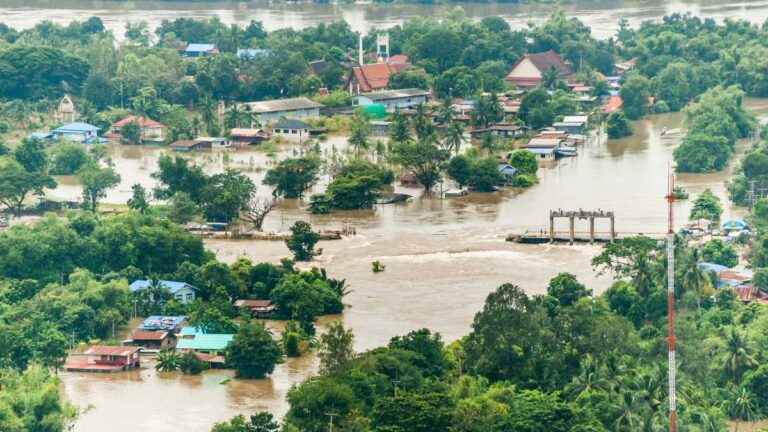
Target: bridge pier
point(572, 219)
point(581, 214)
point(591, 230)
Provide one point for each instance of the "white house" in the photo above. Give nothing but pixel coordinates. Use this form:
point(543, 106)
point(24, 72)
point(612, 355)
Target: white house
point(292, 129)
point(181, 291)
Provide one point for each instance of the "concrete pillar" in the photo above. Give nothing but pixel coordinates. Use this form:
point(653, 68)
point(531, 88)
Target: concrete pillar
point(613, 229)
point(551, 228)
point(573, 232)
point(591, 229)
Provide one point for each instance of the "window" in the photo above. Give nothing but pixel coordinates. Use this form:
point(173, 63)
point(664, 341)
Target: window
point(294, 131)
point(190, 296)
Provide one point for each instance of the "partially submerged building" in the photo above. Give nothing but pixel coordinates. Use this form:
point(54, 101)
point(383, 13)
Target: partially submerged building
point(102, 358)
point(393, 99)
point(271, 111)
point(77, 132)
point(150, 130)
point(257, 308)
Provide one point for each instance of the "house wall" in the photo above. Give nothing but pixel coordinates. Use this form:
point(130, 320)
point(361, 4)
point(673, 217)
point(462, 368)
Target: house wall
point(392, 104)
point(292, 134)
point(526, 69)
point(273, 117)
point(76, 136)
point(185, 295)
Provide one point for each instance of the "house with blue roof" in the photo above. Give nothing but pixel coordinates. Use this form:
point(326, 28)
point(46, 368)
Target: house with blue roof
point(77, 132)
point(181, 291)
point(200, 50)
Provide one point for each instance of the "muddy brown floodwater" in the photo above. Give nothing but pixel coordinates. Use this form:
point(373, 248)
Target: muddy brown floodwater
point(442, 259)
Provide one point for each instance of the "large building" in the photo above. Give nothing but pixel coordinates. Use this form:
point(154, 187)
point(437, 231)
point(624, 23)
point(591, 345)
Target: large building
point(529, 71)
point(393, 99)
point(268, 112)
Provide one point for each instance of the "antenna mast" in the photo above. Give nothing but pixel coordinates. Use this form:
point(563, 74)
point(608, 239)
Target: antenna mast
point(671, 306)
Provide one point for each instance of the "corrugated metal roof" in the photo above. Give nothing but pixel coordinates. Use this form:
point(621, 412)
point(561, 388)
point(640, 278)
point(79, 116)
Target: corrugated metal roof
point(77, 127)
point(395, 94)
point(206, 342)
point(161, 322)
point(291, 124)
point(172, 286)
point(279, 105)
point(198, 47)
point(122, 351)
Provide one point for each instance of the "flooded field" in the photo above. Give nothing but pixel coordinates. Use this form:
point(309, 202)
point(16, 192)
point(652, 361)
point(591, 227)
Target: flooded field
point(442, 258)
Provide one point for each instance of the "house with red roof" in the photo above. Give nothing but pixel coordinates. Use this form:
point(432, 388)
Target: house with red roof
point(375, 76)
point(102, 358)
point(529, 70)
point(151, 131)
point(612, 104)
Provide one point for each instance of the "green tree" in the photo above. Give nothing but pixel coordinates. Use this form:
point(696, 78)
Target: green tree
point(302, 241)
point(706, 206)
point(259, 422)
point(618, 125)
point(738, 357)
point(718, 252)
point(31, 155)
point(566, 289)
point(167, 361)
point(16, 184)
point(32, 401)
point(423, 158)
point(68, 158)
point(96, 182)
point(524, 162)
point(189, 364)
point(634, 93)
point(131, 133)
point(225, 195)
point(291, 177)
point(336, 349)
point(139, 200)
point(460, 169)
point(182, 209)
point(454, 137)
point(535, 110)
point(399, 130)
point(253, 353)
point(485, 175)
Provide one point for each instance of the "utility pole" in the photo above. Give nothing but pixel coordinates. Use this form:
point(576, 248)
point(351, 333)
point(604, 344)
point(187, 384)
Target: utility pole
point(672, 372)
point(330, 421)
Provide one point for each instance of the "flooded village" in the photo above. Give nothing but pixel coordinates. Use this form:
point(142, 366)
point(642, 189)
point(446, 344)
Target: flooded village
point(428, 187)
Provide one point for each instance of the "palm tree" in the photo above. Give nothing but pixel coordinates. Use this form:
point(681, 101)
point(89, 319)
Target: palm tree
point(738, 356)
point(359, 131)
point(628, 408)
point(454, 137)
point(590, 377)
point(208, 112)
point(233, 116)
point(167, 361)
point(445, 112)
point(422, 124)
point(741, 406)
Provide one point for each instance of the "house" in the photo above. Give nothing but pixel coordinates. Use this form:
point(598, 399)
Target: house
point(154, 340)
point(734, 225)
point(190, 145)
point(66, 111)
point(291, 129)
point(375, 76)
point(623, 67)
point(501, 130)
point(545, 149)
point(151, 131)
point(215, 142)
point(172, 324)
point(243, 137)
point(196, 340)
point(101, 358)
point(380, 128)
point(252, 53)
point(507, 171)
point(200, 50)
point(572, 124)
point(271, 111)
point(529, 70)
point(393, 99)
point(258, 308)
point(543, 153)
point(180, 291)
point(77, 132)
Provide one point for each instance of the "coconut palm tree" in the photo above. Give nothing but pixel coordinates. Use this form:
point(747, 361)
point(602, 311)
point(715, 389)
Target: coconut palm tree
point(741, 406)
point(454, 137)
point(738, 355)
point(167, 361)
point(445, 112)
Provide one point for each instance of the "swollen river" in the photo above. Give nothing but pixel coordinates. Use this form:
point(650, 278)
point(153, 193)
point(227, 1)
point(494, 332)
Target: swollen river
point(442, 259)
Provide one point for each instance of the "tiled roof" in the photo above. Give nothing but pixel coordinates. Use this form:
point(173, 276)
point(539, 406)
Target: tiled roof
point(122, 351)
point(279, 105)
point(142, 121)
point(550, 59)
point(375, 76)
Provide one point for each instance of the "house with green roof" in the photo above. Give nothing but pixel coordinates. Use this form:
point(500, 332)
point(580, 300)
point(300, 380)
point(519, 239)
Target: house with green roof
point(195, 339)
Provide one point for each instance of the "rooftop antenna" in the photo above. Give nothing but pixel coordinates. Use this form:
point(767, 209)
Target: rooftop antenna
point(672, 372)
